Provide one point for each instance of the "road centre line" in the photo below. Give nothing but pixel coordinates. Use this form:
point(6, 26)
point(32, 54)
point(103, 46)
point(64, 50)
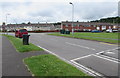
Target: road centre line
point(83, 68)
point(79, 46)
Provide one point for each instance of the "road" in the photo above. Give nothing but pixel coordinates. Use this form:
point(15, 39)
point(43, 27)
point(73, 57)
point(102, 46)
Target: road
point(92, 57)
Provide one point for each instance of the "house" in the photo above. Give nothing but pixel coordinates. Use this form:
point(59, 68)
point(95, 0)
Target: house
point(0, 28)
point(67, 25)
point(86, 26)
point(31, 27)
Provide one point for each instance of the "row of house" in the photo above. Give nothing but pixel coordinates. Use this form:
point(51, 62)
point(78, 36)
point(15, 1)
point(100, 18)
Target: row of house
point(87, 26)
point(67, 25)
point(31, 27)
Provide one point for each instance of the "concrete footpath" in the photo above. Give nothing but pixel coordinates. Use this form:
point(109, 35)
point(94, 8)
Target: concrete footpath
point(12, 61)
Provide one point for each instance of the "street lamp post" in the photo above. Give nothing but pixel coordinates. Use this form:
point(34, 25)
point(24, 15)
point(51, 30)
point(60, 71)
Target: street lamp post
point(72, 17)
point(6, 21)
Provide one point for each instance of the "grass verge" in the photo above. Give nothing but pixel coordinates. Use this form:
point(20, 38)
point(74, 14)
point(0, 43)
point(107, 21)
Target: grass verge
point(104, 37)
point(50, 65)
point(18, 44)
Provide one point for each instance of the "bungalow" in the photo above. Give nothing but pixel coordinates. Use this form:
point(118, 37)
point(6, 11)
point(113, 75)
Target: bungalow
point(67, 25)
point(86, 26)
point(30, 27)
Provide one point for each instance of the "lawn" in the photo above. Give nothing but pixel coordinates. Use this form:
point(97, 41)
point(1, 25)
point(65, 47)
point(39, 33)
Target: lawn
point(104, 37)
point(50, 65)
point(18, 44)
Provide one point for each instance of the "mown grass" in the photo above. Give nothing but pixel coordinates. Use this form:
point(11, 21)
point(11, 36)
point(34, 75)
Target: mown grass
point(92, 36)
point(50, 65)
point(18, 44)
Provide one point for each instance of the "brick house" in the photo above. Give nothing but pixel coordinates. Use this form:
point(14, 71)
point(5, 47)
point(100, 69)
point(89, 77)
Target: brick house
point(78, 26)
point(86, 26)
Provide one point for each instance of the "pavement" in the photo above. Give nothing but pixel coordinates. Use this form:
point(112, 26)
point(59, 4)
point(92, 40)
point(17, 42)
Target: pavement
point(12, 61)
point(95, 58)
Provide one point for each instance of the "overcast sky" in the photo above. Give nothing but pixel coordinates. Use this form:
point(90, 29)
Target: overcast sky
point(56, 10)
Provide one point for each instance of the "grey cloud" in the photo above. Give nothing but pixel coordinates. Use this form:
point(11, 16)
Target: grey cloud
point(119, 9)
point(62, 11)
point(44, 13)
point(95, 10)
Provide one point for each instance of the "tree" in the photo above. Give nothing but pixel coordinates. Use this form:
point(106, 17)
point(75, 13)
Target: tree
point(3, 23)
point(29, 22)
point(23, 23)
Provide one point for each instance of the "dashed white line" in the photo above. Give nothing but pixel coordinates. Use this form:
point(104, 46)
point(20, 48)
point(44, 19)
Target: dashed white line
point(79, 46)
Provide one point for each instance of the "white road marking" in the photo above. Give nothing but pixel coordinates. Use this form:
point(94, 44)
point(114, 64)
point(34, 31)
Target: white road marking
point(110, 52)
point(107, 50)
point(82, 57)
point(79, 46)
point(106, 58)
point(83, 68)
point(109, 57)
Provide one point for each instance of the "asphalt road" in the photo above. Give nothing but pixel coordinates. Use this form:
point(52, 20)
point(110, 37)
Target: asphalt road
point(90, 56)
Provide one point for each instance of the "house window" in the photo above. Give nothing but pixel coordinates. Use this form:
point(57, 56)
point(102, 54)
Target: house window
point(66, 25)
point(74, 24)
point(103, 27)
point(98, 28)
point(79, 25)
point(69, 24)
point(94, 25)
point(109, 27)
point(114, 27)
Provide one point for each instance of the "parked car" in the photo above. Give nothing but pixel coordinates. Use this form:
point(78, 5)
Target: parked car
point(109, 30)
point(19, 33)
point(115, 30)
point(95, 31)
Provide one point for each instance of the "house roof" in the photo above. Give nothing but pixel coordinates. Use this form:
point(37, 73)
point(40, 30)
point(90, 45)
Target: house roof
point(33, 24)
point(86, 23)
